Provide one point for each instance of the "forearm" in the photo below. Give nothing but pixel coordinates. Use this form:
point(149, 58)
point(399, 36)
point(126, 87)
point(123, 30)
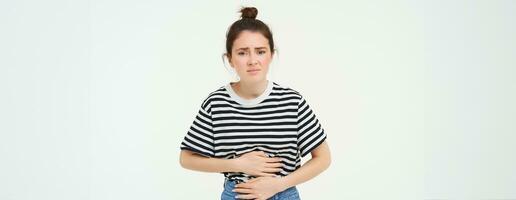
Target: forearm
point(313, 167)
point(205, 164)
point(309, 170)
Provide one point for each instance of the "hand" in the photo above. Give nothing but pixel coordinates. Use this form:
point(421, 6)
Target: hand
point(256, 163)
point(260, 188)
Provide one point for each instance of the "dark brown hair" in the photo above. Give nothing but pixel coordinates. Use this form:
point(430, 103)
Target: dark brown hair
point(248, 22)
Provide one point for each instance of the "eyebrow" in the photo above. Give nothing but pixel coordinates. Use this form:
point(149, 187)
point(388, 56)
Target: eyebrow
point(247, 48)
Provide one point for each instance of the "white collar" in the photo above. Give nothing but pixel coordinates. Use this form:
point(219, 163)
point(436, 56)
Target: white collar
point(250, 102)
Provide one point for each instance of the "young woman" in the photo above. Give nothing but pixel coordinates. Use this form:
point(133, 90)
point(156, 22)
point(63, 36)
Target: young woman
point(255, 131)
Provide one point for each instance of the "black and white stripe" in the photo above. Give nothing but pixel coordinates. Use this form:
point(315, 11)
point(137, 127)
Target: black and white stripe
point(282, 125)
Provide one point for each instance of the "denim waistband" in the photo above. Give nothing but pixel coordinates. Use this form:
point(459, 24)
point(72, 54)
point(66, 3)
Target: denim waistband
point(229, 185)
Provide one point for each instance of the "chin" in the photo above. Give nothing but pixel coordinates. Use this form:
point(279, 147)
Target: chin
point(253, 79)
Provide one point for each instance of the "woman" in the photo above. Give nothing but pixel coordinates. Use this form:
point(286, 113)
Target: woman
point(255, 131)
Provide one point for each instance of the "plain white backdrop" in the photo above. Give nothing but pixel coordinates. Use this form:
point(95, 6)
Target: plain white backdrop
point(417, 97)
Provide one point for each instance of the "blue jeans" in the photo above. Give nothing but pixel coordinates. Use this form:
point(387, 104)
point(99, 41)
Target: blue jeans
point(288, 194)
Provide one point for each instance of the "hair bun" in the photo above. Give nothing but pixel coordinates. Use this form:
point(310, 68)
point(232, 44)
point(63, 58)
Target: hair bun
point(249, 12)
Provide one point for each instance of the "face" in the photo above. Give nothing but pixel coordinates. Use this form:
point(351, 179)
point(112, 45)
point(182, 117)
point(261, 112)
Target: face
point(251, 56)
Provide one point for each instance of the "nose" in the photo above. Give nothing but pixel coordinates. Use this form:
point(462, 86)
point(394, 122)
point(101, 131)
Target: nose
point(252, 60)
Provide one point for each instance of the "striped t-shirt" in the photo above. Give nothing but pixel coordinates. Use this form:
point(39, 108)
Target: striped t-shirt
point(279, 122)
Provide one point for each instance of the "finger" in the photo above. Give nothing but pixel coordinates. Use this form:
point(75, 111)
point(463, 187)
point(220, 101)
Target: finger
point(242, 185)
point(253, 180)
point(274, 160)
point(261, 153)
point(272, 169)
point(246, 196)
point(267, 175)
point(274, 165)
point(246, 184)
point(243, 191)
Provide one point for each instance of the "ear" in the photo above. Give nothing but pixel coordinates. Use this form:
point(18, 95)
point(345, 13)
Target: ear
point(228, 56)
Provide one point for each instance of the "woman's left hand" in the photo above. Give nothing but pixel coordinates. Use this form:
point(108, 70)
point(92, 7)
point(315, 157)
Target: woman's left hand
point(260, 188)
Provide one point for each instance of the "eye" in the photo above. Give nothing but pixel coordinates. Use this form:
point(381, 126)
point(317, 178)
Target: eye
point(261, 52)
point(241, 53)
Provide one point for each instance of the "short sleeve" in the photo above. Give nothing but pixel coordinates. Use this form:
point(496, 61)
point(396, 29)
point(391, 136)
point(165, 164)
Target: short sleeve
point(310, 132)
point(199, 137)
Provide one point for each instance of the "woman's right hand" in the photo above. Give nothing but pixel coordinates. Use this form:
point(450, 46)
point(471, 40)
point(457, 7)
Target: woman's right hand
point(256, 163)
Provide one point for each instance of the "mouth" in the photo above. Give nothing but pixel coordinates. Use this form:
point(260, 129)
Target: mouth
point(253, 70)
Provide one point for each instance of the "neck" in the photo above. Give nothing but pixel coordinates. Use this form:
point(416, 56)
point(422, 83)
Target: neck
point(248, 90)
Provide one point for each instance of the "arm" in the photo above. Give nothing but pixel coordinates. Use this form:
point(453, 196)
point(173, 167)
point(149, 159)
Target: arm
point(320, 161)
point(265, 187)
point(254, 163)
point(193, 161)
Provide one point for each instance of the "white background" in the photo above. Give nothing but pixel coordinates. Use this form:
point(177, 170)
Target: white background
point(417, 98)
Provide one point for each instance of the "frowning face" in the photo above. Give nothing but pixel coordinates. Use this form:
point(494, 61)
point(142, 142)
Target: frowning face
point(251, 56)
